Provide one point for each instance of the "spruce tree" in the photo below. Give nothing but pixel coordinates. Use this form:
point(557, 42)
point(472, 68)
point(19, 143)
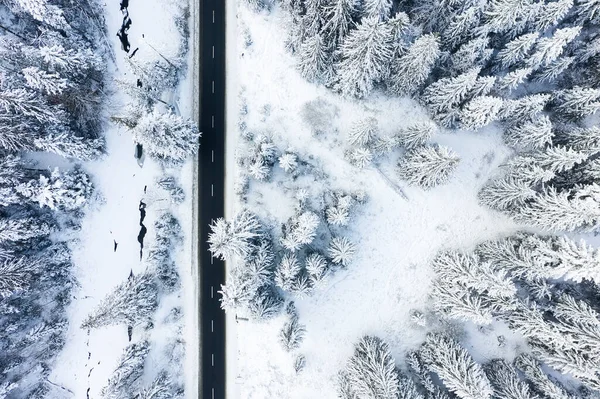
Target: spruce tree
point(480, 111)
point(516, 51)
point(428, 167)
point(533, 133)
point(315, 60)
point(412, 69)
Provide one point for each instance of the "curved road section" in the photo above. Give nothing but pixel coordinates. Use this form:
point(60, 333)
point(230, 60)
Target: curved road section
point(211, 195)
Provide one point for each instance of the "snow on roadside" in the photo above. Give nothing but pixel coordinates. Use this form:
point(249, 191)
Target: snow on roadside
point(396, 238)
point(86, 362)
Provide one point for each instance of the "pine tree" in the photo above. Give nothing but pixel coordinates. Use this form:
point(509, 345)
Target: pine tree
point(339, 19)
point(371, 371)
point(524, 107)
point(366, 54)
point(412, 69)
point(582, 139)
point(551, 14)
point(513, 79)
point(548, 49)
point(456, 302)
point(456, 368)
point(301, 230)
point(446, 93)
point(573, 260)
point(160, 388)
point(506, 382)
point(15, 274)
point(70, 146)
point(360, 157)
point(287, 271)
point(461, 26)
point(316, 267)
point(588, 10)
point(267, 303)
point(234, 238)
point(291, 334)
point(428, 167)
point(41, 11)
point(480, 111)
point(531, 134)
point(363, 132)
point(315, 60)
point(45, 82)
point(542, 383)
point(128, 372)
point(506, 193)
point(472, 54)
point(24, 103)
point(577, 102)
point(378, 8)
point(516, 51)
point(131, 302)
point(416, 135)
point(503, 16)
point(166, 136)
point(341, 250)
point(23, 229)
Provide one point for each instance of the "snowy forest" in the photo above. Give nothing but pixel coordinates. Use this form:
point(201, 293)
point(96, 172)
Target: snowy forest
point(529, 69)
point(57, 101)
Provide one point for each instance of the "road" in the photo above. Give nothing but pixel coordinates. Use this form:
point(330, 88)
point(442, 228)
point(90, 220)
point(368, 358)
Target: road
point(211, 195)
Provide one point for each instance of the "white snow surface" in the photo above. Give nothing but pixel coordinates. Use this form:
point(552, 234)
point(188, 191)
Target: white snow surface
point(86, 362)
point(396, 238)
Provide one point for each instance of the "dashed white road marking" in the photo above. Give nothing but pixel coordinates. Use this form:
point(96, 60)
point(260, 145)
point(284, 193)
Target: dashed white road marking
point(213, 16)
point(212, 121)
point(212, 293)
point(213, 51)
point(212, 326)
point(211, 260)
point(213, 87)
point(213, 393)
point(212, 190)
point(213, 359)
point(212, 155)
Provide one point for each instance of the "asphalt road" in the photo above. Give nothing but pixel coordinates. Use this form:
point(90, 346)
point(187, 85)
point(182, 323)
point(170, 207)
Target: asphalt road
point(212, 194)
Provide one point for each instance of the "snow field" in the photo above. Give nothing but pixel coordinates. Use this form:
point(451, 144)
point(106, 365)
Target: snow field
point(396, 238)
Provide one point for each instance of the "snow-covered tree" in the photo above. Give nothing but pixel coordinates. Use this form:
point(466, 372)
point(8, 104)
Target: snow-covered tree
point(70, 146)
point(548, 49)
point(525, 107)
point(588, 10)
point(533, 133)
point(166, 136)
point(582, 139)
point(378, 8)
point(339, 16)
point(551, 14)
point(474, 53)
point(341, 250)
point(29, 104)
point(288, 162)
point(502, 16)
point(513, 79)
point(446, 93)
point(536, 376)
point(291, 334)
point(316, 267)
point(366, 54)
point(506, 381)
point(266, 304)
point(126, 376)
point(338, 216)
point(417, 366)
point(506, 193)
point(160, 388)
point(552, 71)
point(461, 26)
point(235, 237)
point(428, 166)
point(43, 11)
point(456, 302)
point(301, 230)
point(15, 274)
point(577, 102)
point(22, 229)
point(517, 50)
point(371, 371)
point(416, 135)
point(287, 271)
point(360, 157)
point(412, 69)
point(45, 82)
point(480, 111)
point(315, 60)
point(456, 368)
point(131, 302)
point(65, 191)
point(363, 131)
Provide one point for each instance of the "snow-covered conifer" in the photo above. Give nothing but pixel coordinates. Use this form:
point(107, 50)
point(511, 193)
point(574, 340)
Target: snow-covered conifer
point(460, 26)
point(524, 107)
point(371, 371)
point(582, 139)
point(456, 302)
point(288, 162)
point(287, 271)
point(258, 170)
point(366, 54)
point(541, 382)
point(291, 334)
point(407, 389)
point(551, 14)
point(44, 12)
point(266, 304)
point(456, 368)
point(588, 10)
point(15, 274)
point(339, 19)
point(22, 229)
point(341, 250)
point(548, 49)
point(29, 104)
point(166, 136)
point(533, 133)
point(506, 193)
point(474, 53)
point(301, 230)
point(299, 363)
point(446, 93)
point(416, 135)
point(338, 216)
point(412, 69)
point(131, 302)
point(378, 8)
point(360, 157)
point(363, 131)
point(316, 267)
point(315, 61)
point(577, 102)
point(237, 291)
point(160, 388)
point(70, 60)
point(235, 237)
point(428, 166)
point(483, 86)
point(480, 111)
point(513, 79)
point(415, 362)
point(45, 82)
point(70, 146)
point(517, 50)
point(576, 261)
point(503, 16)
point(506, 381)
point(126, 376)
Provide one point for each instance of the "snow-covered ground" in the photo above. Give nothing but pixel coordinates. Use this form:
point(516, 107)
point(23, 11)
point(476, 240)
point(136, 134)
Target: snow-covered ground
point(396, 237)
point(87, 360)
